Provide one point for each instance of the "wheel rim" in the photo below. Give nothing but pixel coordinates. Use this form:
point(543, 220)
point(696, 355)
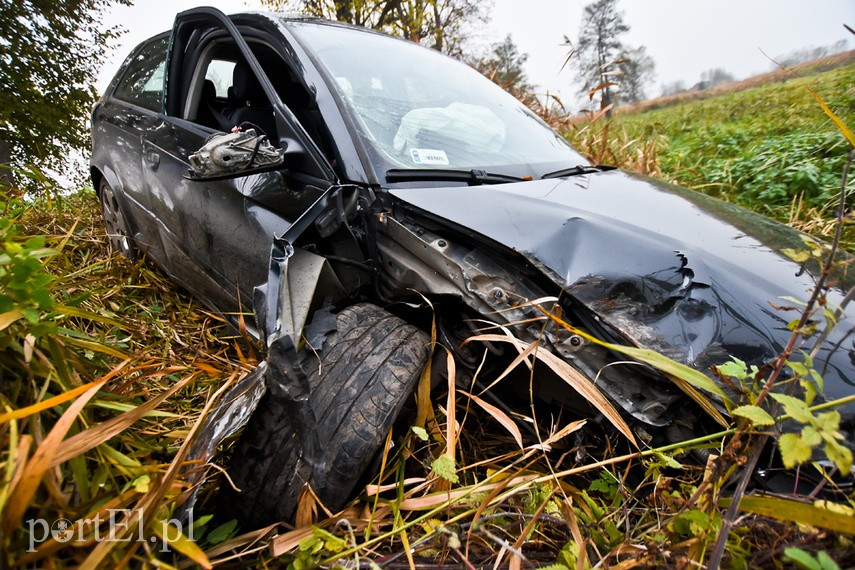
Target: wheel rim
point(114, 222)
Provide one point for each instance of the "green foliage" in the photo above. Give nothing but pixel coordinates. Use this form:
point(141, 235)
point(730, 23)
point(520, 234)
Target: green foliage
point(24, 283)
point(759, 147)
point(695, 523)
point(755, 414)
point(804, 561)
point(737, 369)
point(780, 167)
point(599, 517)
point(315, 548)
point(50, 53)
point(660, 462)
point(443, 466)
point(818, 429)
point(420, 432)
point(606, 484)
point(222, 533)
point(568, 558)
point(26, 302)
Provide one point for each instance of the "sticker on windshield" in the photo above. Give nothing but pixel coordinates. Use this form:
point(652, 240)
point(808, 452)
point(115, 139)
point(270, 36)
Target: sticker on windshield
point(429, 157)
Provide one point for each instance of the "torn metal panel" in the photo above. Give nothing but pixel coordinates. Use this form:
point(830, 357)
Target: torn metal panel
point(303, 280)
point(231, 413)
point(280, 314)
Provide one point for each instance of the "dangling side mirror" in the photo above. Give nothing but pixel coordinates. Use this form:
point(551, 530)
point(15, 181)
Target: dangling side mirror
point(231, 155)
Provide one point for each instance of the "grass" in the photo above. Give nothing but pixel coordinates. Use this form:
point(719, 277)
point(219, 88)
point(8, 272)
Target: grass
point(770, 148)
point(107, 369)
point(108, 319)
point(497, 502)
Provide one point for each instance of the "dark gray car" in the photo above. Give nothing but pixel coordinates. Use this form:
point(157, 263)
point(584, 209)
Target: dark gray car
point(346, 189)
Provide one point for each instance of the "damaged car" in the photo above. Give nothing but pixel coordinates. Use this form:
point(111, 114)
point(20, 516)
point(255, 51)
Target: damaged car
point(348, 192)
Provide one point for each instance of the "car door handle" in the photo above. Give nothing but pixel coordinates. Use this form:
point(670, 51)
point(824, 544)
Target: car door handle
point(152, 157)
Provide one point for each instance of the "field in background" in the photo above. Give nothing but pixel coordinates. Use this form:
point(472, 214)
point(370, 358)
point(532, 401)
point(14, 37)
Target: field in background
point(769, 147)
point(805, 69)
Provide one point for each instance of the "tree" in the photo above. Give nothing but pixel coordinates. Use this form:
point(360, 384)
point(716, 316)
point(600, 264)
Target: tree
point(636, 71)
point(673, 88)
point(50, 54)
point(604, 62)
point(599, 47)
point(440, 24)
point(373, 14)
point(713, 77)
point(504, 66)
point(809, 54)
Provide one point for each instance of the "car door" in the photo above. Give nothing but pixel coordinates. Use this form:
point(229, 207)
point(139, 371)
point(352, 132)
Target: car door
point(217, 234)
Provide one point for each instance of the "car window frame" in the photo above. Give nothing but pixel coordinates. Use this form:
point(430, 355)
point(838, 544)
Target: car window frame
point(293, 138)
point(128, 67)
point(199, 63)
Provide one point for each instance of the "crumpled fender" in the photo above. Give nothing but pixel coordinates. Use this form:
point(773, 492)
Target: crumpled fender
point(672, 269)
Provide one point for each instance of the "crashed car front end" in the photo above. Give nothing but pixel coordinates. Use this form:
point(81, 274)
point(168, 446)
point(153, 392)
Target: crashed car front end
point(626, 260)
point(703, 286)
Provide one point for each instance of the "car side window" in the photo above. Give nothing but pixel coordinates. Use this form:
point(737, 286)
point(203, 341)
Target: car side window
point(220, 73)
point(143, 81)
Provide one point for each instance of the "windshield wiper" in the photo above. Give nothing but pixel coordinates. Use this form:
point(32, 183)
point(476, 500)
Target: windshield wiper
point(474, 177)
point(577, 170)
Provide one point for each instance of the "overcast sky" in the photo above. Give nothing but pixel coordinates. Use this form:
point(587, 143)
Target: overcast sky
point(684, 37)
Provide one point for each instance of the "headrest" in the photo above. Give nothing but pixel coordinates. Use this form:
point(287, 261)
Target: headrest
point(245, 86)
point(209, 90)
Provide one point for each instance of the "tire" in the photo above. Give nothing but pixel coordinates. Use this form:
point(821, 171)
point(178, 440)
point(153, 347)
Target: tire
point(115, 222)
point(369, 368)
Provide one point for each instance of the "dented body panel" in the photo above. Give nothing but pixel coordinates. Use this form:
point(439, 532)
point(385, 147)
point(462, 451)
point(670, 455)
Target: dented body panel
point(671, 269)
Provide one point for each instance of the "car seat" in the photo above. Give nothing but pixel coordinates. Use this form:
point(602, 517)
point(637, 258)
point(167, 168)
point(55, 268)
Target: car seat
point(252, 104)
point(208, 113)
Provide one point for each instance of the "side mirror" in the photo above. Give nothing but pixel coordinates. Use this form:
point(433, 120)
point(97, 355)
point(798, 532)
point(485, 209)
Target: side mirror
point(231, 155)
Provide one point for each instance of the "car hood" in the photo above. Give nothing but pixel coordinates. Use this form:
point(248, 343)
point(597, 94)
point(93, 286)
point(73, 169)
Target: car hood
point(673, 270)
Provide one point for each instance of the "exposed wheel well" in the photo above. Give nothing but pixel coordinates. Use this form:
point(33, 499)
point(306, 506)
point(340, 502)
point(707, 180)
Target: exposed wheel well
point(97, 176)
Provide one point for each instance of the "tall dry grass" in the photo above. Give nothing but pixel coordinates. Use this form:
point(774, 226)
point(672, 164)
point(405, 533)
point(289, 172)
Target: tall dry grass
point(98, 411)
point(99, 396)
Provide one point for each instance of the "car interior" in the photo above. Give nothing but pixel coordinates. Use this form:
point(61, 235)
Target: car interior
point(221, 101)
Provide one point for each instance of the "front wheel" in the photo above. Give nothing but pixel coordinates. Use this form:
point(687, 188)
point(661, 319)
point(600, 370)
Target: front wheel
point(368, 368)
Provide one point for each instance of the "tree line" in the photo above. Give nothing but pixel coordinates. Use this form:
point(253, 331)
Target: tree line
point(440, 24)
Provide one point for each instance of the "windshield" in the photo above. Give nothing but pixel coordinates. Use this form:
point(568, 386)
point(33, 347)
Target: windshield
point(418, 109)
